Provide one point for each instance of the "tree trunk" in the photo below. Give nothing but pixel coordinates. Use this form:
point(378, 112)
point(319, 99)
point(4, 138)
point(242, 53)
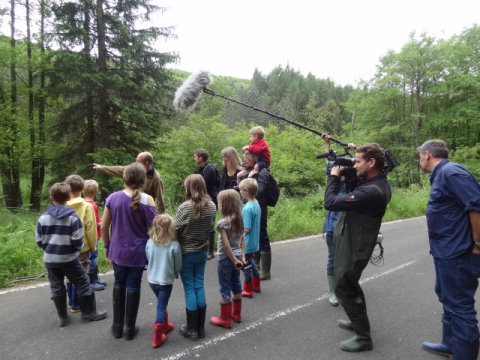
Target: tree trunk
point(9, 166)
point(103, 111)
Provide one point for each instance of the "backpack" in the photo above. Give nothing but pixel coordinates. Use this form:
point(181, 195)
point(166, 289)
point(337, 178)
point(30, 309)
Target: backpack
point(218, 177)
point(272, 191)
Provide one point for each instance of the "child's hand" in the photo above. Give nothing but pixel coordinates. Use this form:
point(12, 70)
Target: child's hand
point(238, 264)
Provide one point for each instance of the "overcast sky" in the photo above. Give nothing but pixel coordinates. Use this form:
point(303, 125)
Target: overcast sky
point(339, 39)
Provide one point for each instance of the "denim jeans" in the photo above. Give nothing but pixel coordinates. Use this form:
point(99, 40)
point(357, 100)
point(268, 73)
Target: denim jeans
point(252, 271)
point(192, 274)
point(264, 240)
point(455, 285)
point(74, 273)
point(331, 253)
point(228, 278)
point(128, 277)
point(162, 292)
point(93, 258)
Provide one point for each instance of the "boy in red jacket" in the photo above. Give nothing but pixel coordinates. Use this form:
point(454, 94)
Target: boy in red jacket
point(258, 146)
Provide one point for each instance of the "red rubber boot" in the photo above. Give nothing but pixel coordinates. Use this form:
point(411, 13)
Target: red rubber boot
point(237, 310)
point(225, 318)
point(247, 289)
point(168, 325)
point(159, 336)
point(256, 284)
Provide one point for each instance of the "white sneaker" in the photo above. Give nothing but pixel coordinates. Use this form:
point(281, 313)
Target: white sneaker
point(332, 299)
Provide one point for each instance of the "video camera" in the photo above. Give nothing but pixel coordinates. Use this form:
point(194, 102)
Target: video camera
point(346, 162)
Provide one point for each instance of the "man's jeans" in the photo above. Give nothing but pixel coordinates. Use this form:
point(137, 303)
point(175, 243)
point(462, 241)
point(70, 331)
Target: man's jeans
point(455, 285)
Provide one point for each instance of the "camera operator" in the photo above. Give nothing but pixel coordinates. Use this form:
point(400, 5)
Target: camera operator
point(355, 236)
point(329, 226)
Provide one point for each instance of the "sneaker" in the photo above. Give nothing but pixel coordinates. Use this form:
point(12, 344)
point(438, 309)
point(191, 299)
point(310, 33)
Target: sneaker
point(97, 286)
point(75, 309)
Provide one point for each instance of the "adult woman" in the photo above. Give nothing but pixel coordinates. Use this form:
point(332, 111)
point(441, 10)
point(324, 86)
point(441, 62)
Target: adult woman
point(195, 217)
point(129, 213)
point(232, 165)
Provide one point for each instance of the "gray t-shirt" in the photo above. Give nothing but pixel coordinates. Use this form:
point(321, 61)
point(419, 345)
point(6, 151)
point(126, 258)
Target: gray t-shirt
point(233, 239)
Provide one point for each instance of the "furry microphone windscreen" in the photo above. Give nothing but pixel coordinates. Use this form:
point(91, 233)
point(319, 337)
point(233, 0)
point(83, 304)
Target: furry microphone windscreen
point(188, 94)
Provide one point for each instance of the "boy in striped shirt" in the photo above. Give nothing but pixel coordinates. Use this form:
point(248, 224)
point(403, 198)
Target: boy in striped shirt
point(59, 232)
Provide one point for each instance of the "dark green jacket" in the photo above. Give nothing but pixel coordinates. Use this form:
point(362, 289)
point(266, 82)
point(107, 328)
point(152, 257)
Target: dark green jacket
point(357, 228)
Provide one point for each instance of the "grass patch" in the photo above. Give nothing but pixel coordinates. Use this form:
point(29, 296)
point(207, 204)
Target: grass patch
point(292, 217)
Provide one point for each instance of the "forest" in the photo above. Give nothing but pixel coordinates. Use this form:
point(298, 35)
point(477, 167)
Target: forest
point(84, 82)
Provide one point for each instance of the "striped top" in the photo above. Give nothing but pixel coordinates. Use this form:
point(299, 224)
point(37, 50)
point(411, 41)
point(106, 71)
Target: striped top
point(192, 234)
point(59, 232)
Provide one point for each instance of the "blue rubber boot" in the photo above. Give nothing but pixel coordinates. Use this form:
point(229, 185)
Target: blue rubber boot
point(445, 347)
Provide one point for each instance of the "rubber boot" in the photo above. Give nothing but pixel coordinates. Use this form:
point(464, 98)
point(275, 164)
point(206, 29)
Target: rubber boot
point(118, 311)
point(465, 351)
point(61, 305)
point(225, 318)
point(266, 263)
point(247, 289)
point(443, 348)
point(94, 284)
point(190, 330)
point(168, 325)
point(256, 284)
point(202, 314)
point(159, 336)
point(362, 341)
point(237, 310)
point(88, 306)
point(131, 311)
point(75, 308)
point(69, 293)
point(332, 299)
point(211, 241)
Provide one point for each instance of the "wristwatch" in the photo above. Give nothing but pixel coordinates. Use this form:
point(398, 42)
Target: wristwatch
point(477, 244)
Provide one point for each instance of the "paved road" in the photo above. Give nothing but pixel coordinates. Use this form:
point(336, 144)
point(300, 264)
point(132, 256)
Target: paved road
point(290, 319)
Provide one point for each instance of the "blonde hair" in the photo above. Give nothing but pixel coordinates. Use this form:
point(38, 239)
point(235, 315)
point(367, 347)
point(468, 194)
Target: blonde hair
point(230, 205)
point(90, 187)
point(196, 191)
point(233, 158)
point(250, 185)
point(162, 231)
point(257, 130)
point(134, 177)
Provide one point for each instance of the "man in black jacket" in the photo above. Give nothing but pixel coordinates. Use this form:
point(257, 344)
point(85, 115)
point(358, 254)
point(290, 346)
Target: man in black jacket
point(355, 237)
point(210, 175)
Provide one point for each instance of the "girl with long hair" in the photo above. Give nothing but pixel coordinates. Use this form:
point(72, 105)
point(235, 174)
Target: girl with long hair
point(164, 257)
point(231, 258)
point(232, 165)
point(195, 217)
point(127, 218)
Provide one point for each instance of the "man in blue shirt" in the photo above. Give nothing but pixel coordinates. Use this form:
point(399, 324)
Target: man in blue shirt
point(453, 218)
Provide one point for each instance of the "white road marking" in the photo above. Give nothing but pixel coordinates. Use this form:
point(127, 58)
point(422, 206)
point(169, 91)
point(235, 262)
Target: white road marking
point(271, 317)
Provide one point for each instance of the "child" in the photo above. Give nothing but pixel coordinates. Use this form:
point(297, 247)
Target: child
point(164, 257)
point(258, 146)
point(231, 258)
point(194, 220)
point(59, 232)
point(89, 191)
point(251, 221)
point(127, 218)
point(87, 217)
